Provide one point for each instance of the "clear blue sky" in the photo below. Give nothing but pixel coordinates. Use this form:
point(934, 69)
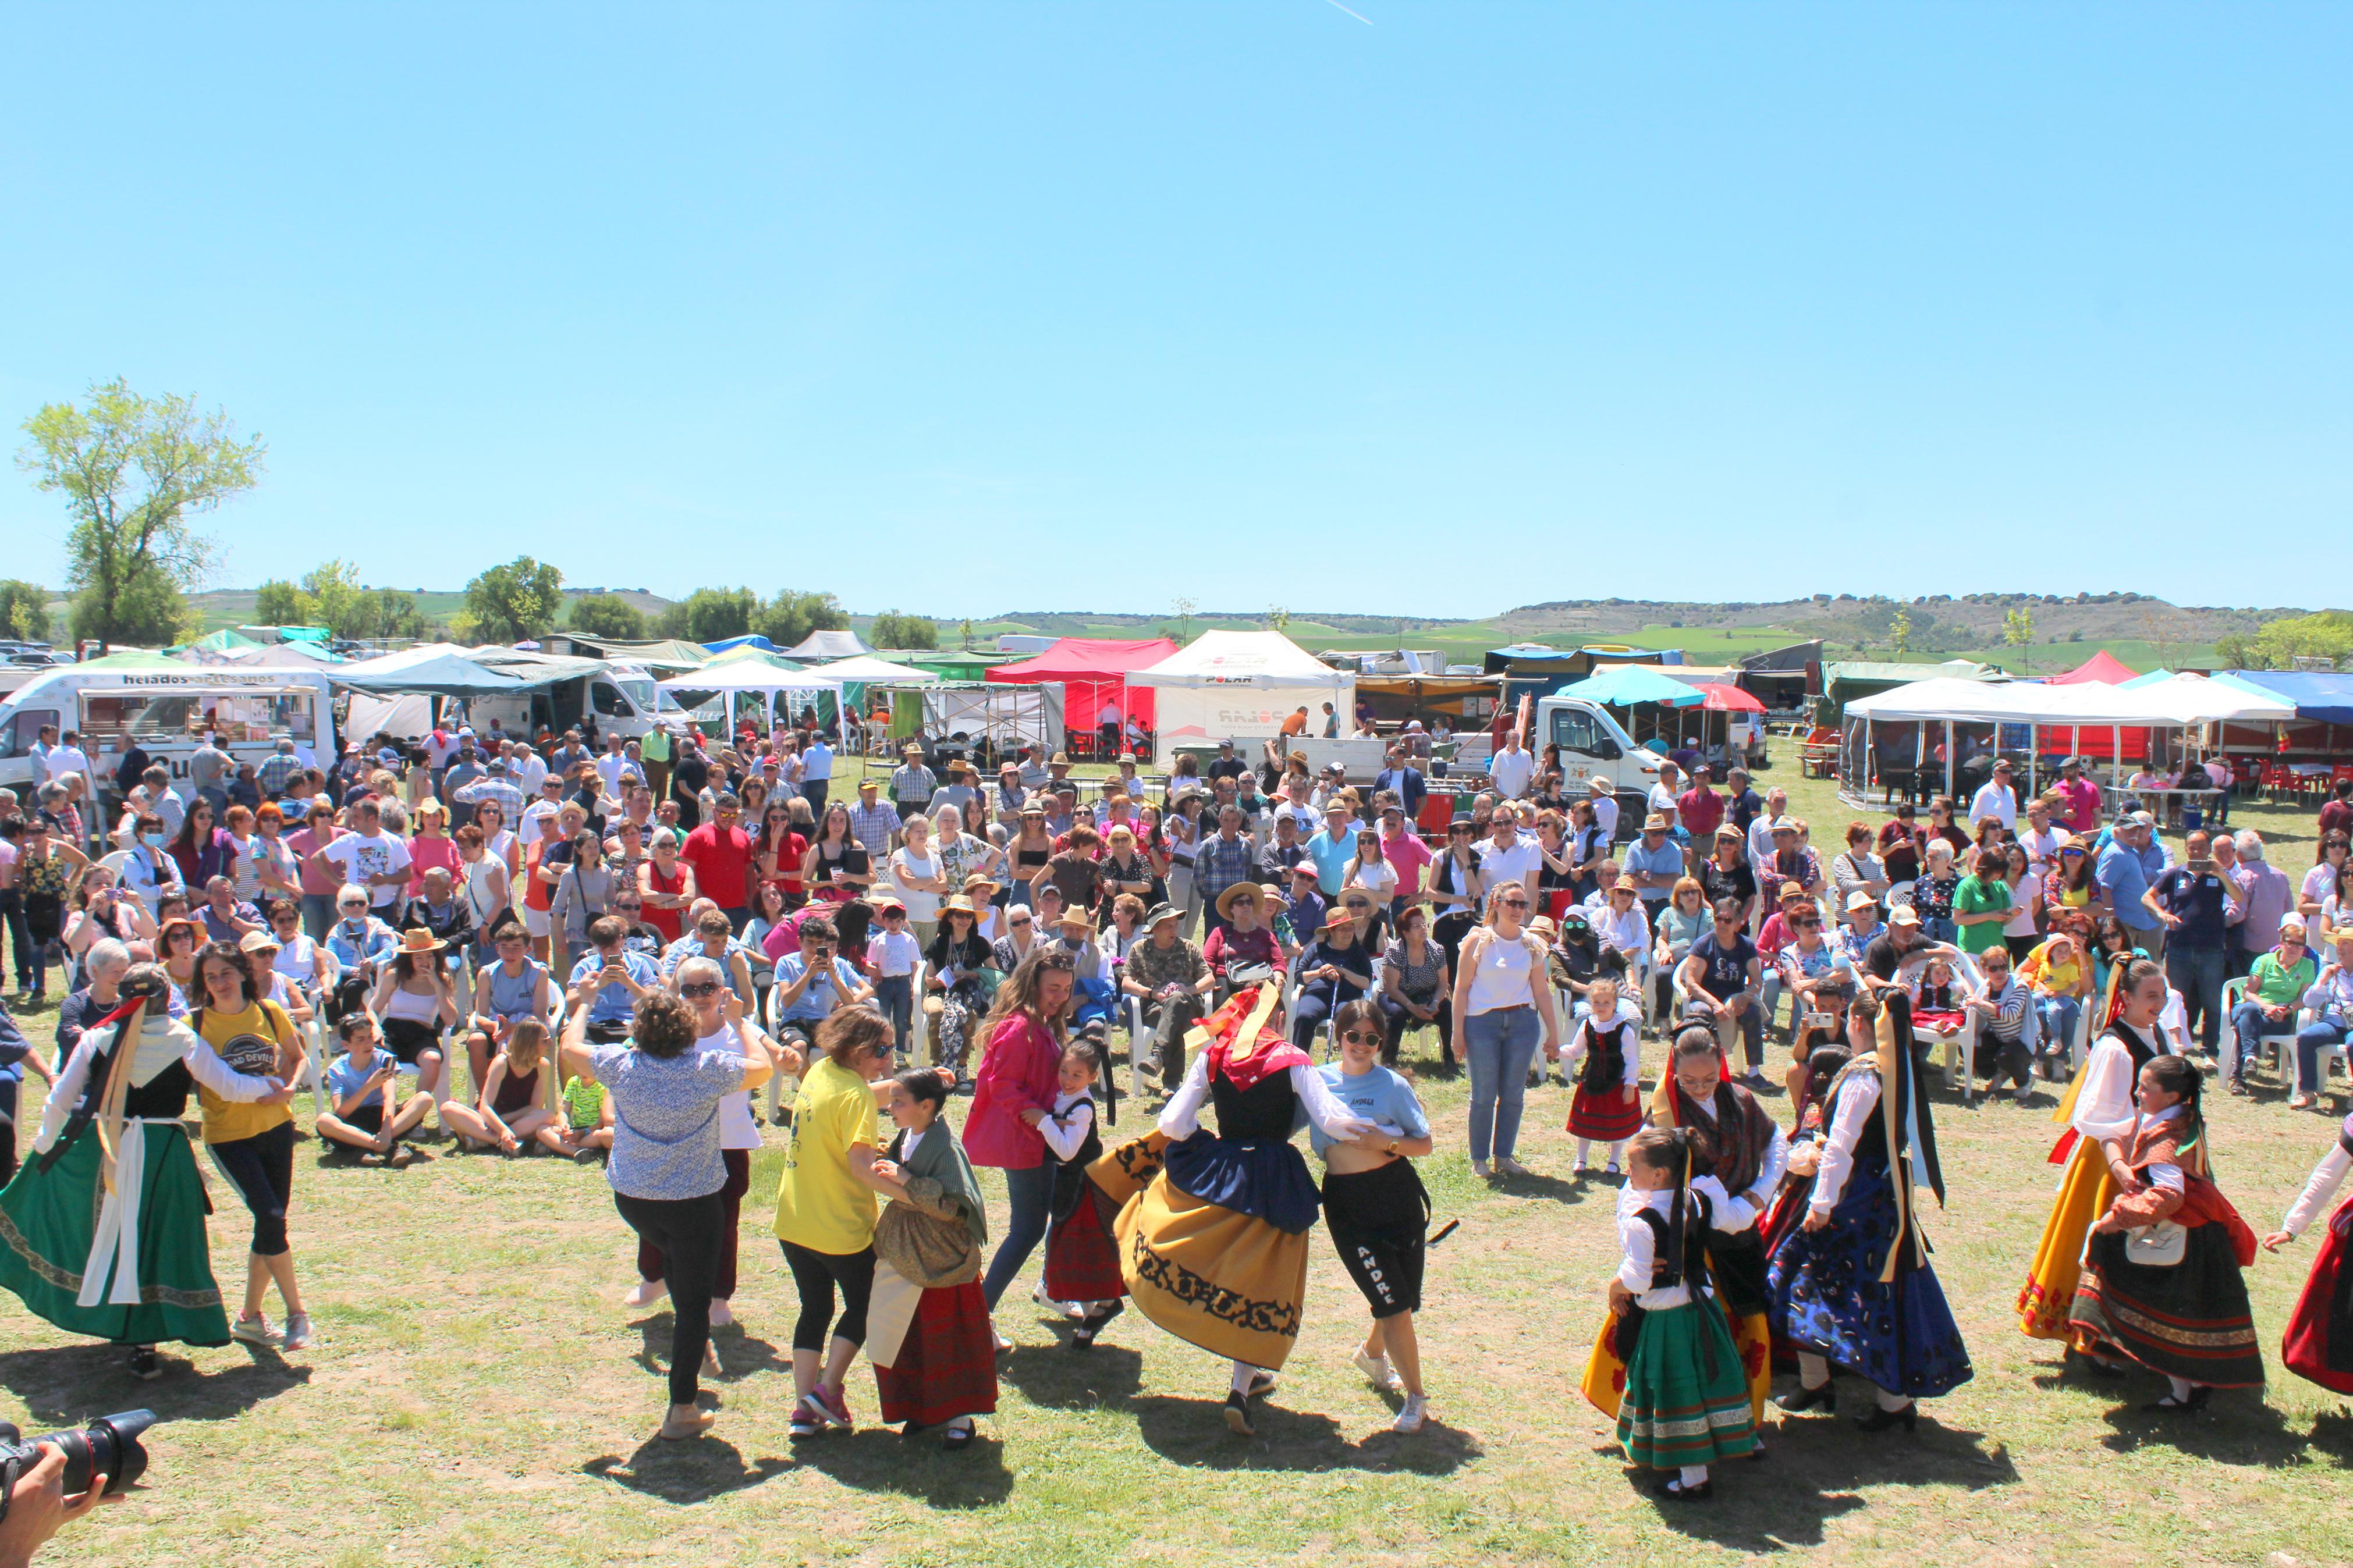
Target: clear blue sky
point(964, 309)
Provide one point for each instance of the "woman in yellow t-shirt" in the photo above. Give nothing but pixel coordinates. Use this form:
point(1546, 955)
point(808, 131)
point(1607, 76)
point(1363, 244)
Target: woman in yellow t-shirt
point(826, 1207)
point(254, 1143)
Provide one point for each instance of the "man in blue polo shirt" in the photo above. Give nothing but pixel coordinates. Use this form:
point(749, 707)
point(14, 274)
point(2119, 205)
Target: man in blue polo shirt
point(2125, 880)
point(1653, 863)
point(1333, 846)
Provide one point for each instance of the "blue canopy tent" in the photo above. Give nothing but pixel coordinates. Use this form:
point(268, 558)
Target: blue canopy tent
point(1626, 685)
point(753, 640)
point(2320, 696)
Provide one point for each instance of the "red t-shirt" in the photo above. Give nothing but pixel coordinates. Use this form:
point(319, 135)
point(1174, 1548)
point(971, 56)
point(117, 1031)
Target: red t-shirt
point(2335, 817)
point(1702, 809)
point(721, 860)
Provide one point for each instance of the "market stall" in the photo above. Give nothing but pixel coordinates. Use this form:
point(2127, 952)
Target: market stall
point(1239, 686)
point(1099, 702)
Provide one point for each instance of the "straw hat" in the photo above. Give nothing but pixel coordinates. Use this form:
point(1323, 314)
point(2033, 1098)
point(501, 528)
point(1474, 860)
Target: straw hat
point(1227, 900)
point(259, 941)
point(417, 940)
point(957, 904)
point(1335, 916)
point(973, 883)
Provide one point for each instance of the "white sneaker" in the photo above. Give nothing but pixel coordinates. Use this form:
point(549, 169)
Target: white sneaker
point(1409, 1419)
point(646, 1292)
point(253, 1331)
point(1377, 1370)
point(298, 1334)
point(722, 1315)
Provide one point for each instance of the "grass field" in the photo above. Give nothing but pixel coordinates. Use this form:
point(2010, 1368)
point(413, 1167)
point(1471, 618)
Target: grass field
point(479, 1396)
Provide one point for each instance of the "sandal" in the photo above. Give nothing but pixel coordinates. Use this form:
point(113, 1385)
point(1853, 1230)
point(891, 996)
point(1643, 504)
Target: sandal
point(957, 1438)
point(676, 1431)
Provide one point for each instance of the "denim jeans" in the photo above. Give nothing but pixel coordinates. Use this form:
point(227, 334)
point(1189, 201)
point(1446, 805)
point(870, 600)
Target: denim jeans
point(318, 915)
point(894, 998)
point(2060, 1016)
point(1031, 1193)
point(2197, 973)
point(1751, 1025)
point(1501, 1044)
point(2247, 1029)
point(2309, 1042)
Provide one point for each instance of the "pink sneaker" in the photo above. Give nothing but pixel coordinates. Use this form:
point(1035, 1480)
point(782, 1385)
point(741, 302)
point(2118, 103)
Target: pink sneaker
point(836, 1407)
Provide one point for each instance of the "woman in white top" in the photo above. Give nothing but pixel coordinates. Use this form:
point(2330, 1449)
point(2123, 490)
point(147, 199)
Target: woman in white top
point(1501, 993)
point(917, 878)
point(485, 889)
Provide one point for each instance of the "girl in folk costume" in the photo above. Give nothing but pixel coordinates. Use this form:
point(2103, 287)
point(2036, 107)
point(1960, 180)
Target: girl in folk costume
point(1213, 1227)
point(1851, 1290)
point(1375, 1207)
point(1082, 1257)
point(104, 1228)
point(1685, 1404)
point(2318, 1344)
point(1604, 1062)
point(2098, 1111)
point(2162, 1282)
point(927, 1333)
point(1823, 1065)
point(1750, 1154)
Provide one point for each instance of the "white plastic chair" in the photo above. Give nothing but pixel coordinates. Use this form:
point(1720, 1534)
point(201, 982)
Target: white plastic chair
point(2319, 1062)
point(2281, 1046)
point(1136, 1033)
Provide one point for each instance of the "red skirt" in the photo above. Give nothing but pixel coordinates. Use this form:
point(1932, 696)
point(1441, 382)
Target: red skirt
point(1606, 1118)
point(1082, 1257)
point(2318, 1344)
point(947, 1363)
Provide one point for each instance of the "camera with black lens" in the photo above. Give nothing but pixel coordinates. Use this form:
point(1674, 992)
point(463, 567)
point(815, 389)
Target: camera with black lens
point(108, 1446)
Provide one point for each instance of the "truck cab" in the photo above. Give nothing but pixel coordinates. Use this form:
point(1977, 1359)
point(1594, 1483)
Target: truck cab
point(1590, 742)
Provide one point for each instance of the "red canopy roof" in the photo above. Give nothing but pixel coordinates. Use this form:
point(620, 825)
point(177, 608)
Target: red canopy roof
point(1716, 697)
point(2101, 667)
point(1093, 671)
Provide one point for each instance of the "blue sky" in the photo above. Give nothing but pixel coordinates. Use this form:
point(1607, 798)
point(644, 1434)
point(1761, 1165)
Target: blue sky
point(964, 309)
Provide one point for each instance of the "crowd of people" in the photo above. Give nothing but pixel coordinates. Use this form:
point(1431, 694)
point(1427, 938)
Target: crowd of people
point(625, 945)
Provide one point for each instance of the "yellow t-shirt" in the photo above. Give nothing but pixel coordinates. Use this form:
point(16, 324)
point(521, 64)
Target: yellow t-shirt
point(819, 1204)
point(251, 1043)
point(2059, 979)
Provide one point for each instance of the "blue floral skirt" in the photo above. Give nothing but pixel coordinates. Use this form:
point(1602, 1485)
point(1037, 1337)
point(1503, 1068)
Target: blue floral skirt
point(1825, 1296)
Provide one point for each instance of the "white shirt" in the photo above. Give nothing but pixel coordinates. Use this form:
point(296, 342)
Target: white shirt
point(921, 903)
point(817, 762)
point(1605, 817)
point(2042, 848)
point(1515, 862)
point(360, 855)
point(1640, 1248)
point(526, 771)
point(893, 952)
point(1065, 1132)
point(1378, 879)
point(1992, 800)
point(1512, 772)
point(608, 768)
point(2326, 1177)
point(1628, 934)
point(1628, 1022)
point(1662, 798)
point(64, 760)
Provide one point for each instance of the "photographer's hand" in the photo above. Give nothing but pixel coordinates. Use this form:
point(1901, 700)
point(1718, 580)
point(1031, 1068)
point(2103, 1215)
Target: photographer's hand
point(39, 1507)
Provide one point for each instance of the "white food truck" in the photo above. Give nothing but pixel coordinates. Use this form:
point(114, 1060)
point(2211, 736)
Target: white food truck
point(168, 713)
point(1591, 742)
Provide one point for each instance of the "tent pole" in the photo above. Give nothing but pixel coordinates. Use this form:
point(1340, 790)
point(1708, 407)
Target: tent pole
point(1948, 759)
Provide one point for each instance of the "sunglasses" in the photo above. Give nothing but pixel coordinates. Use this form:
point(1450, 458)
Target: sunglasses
point(1018, 920)
point(1516, 903)
point(1361, 1038)
point(699, 990)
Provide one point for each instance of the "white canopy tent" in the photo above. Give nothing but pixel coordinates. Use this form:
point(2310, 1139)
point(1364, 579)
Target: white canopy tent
point(435, 669)
point(844, 644)
point(866, 670)
point(1926, 707)
point(1241, 685)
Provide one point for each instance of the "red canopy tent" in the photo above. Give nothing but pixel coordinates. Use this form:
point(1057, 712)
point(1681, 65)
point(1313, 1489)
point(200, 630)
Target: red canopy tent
point(1093, 671)
point(1716, 697)
point(2101, 667)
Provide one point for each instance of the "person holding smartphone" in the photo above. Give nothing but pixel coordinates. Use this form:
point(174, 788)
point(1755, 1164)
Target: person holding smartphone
point(611, 979)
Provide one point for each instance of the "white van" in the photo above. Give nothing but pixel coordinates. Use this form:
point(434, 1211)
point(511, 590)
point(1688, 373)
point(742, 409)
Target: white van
point(619, 698)
point(168, 714)
point(1590, 742)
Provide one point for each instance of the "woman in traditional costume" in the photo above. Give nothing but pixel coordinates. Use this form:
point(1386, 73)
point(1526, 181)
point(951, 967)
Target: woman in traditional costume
point(1213, 1226)
point(1823, 1065)
point(927, 1333)
point(1851, 1290)
point(1604, 1062)
point(105, 1226)
point(2098, 1111)
point(2318, 1344)
point(1685, 1404)
point(2162, 1281)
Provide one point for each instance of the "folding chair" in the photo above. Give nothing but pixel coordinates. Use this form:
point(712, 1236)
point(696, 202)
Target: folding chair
point(2281, 1046)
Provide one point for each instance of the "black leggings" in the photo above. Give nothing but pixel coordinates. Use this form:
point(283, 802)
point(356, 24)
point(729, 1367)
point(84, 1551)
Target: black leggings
point(690, 1232)
point(815, 1275)
point(262, 1168)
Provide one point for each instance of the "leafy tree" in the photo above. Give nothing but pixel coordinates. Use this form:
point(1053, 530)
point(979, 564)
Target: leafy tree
point(891, 629)
point(967, 631)
point(2018, 631)
point(2327, 634)
point(608, 615)
point(2236, 650)
point(1899, 632)
point(516, 601)
point(1278, 618)
point(712, 614)
point(787, 618)
point(279, 603)
point(133, 470)
point(24, 610)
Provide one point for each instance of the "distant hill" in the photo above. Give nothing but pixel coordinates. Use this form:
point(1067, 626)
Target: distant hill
point(234, 607)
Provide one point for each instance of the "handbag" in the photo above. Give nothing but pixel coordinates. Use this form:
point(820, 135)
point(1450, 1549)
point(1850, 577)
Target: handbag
point(2159, 1246)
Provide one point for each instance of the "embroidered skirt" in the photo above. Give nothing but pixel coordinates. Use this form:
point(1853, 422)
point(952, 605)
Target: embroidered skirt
point(49, 1219)
point(2050, 1291)
point(1827, 1299)
point(1214, 1277)
point(1606, 1117)
point(1685, 1400)
point(2318, 1344)
point(944, 1363)
point(1604, 1381)
point(2187, 1319)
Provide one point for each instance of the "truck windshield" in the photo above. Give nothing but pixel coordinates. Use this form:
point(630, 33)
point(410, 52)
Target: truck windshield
point(641, 692)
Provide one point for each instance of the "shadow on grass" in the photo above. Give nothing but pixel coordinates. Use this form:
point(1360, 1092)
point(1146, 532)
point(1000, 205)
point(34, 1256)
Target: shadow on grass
point(1193, 1432)
point(689, 1472)
point(2237, 1428)
point(1816, 1468)
point(69, 1383)
point(741, 1355)
point(1056, 1377)
point(877, 1459)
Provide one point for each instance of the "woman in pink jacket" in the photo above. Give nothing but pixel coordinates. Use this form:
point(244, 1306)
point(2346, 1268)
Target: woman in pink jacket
point(1015, 1091)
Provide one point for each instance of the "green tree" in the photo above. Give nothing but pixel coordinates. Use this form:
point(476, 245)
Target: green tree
point(967, 631)
point(2235, 650)
point(2018, 631)
point(516, 601)
point(279, 603)
point(1185, 606)
point(2327, 634)
point(788, 617)
point(712, 614)
point(891, 629)
point(133, 471)
point(1899, 632)
point(24, 610)
point(1278, 618)
point(607, 616)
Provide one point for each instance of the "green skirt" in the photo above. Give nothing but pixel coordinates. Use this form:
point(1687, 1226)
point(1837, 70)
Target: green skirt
point(47, 1220)
point(1686, 1400)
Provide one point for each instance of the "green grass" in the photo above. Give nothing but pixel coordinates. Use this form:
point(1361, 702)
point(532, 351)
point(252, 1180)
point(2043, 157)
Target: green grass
point(480, 1397)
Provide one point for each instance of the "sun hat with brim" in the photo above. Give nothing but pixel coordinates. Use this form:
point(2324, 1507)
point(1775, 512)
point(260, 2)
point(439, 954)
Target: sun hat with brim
point(957, 904)
point(1227, 900)
point(1904, 915)
point(1860, 901)
point(259, 941)
point(977, 880)
point(1336, 917)
point(1626, 887)
point(1158, 912)
point(1780, 825)
point(1075, 918)
point(1727, 831)
point(1791, 893)
point(417, 940)
point(1657, 823)
point(1057, 759)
